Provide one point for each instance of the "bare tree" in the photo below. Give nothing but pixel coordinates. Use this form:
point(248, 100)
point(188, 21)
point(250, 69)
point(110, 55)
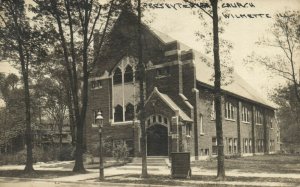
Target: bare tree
point(213, 14)
point(284, 37)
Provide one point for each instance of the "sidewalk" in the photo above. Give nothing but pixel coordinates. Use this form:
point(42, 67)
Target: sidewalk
point(123, 172)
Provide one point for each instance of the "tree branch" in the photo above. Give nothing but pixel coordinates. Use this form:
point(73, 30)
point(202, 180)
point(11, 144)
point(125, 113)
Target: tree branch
point(94, 24)
point(195, 4)
point(102, 36)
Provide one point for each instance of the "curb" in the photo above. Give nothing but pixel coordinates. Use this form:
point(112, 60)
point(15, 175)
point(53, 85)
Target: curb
point(81, 182)
point(104, 183)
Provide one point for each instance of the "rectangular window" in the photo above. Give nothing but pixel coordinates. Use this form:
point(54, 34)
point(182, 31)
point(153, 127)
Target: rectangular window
point(161, 72)
point(206, 151)
point(214, 146)
point(246, 145)
point(96, 84)
point(201, 125)
point(245, 114)
point(230, 145)
point(250, 145)
point(229, 111)
point(235, 145)
point(159, 118)
point(153, 119)
point(259, 118)
point(188, 129)
point(201, 152)
point(213, 111)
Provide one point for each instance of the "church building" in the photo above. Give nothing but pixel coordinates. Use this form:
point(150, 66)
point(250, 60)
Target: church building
point(179, 102)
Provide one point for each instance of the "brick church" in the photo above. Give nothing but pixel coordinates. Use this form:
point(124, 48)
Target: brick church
point(179, 99)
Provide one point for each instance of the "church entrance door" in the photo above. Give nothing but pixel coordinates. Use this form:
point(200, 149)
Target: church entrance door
point(157, 140)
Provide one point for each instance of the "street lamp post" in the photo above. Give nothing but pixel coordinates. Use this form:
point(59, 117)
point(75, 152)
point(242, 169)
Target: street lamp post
point(99, 121)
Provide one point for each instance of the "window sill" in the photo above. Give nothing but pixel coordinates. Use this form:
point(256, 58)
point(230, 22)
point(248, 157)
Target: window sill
point(129, 83)
point(246, 122)
point(202, 134)
point(227, 119)
point(188, 136)
point(96, 88)
point(162, 76)
point(258, 124)
point(124, 123)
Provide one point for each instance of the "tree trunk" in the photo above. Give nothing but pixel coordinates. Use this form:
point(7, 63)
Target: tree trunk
point(71, 116)
point(28, 136)
point(79, 167)
point(218, 102)
point(142, 99)
point(60, 133)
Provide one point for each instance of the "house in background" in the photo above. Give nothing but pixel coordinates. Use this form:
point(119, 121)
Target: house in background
point(179, 99)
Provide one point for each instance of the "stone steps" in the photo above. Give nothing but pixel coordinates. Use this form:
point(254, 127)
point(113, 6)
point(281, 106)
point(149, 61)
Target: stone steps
point(151, 161)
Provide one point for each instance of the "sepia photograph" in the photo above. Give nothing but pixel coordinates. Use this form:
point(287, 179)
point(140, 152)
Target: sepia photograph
point(149, 93)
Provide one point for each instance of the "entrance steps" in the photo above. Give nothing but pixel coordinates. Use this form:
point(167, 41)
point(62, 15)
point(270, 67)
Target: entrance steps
point(151, 161)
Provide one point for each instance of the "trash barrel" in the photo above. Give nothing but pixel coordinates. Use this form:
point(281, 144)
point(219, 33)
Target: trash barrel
point(180, 165)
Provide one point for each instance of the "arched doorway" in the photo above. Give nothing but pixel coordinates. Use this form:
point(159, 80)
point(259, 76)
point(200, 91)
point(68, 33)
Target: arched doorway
point(157, 140)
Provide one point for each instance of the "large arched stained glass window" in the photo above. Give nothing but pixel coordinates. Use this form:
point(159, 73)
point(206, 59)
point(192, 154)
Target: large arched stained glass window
point(129, 112)
point(128, 76)
point(118, 115)
point(118, 76)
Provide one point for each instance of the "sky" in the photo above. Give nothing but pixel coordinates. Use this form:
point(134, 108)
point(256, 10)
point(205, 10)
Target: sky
point(243, 33)
point(181, 24)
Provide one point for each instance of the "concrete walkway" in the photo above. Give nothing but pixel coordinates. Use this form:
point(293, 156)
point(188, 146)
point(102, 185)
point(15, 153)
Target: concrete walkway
point(121, 173)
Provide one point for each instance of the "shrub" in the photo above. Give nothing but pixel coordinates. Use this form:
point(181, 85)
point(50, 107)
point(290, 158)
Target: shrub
point(107, 148)
point(120, 151)
point(66, 153)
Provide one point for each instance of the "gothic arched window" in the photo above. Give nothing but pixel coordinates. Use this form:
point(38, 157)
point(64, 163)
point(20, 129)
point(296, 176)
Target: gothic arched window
point(118, 76)
point(129, 112)
point(118, 115)
point(128, 75)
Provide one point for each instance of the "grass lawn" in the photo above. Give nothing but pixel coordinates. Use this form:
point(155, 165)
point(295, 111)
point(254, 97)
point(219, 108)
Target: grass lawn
point(41, 174)
point(256, 164)
point(167, 180)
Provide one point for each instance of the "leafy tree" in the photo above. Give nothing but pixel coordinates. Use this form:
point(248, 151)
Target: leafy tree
point(284, 37)
point(12, 114)
point(54, 103)
point(22, 44)
point(288, 113)
point(75, 23)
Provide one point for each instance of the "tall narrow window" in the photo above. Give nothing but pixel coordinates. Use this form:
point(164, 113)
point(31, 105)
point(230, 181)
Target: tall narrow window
point(214, 146)
point(230, 145)
point(229, 110)
point(259, 118)
point(129, 112)
point(250, 145)
point(245, 114)
point(213, 111)
point(201, 125)
point(128, 75)
point(118, 76)
point(246, 145)
point(188, 130)
point(118, 115)
point(235, 145)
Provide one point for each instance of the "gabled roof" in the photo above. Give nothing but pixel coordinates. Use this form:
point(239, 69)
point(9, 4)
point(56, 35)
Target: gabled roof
point(170, 103)
point(205, 71)
point(238, 86)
